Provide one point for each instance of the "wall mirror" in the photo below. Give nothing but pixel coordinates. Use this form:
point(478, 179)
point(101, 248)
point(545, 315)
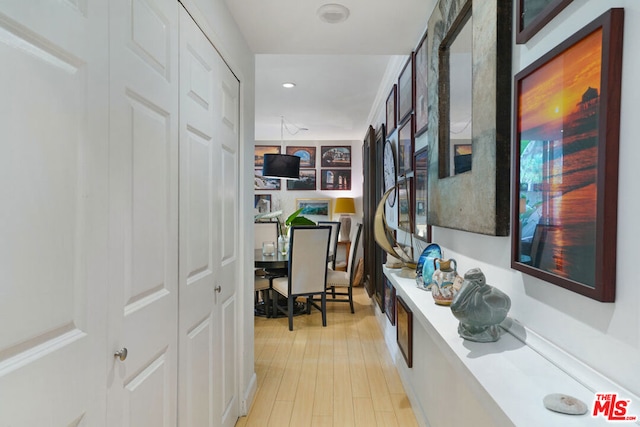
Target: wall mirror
point(456, 96)
point(478, 199)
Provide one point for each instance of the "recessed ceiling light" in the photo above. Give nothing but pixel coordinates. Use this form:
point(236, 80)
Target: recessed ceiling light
point(333, 13)
point(288, 85)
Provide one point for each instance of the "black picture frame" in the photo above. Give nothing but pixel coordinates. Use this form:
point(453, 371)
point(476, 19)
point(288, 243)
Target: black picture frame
point(421, 227)
point(533, 15)
point(335, 156)
point(565, 172)
point(421, 89)
point(404, 330)
point(391, 110)
point(390, 301)
point(261, 183)
point(307, 155)
point(307, 181)
point(406, 144)
point(405, 91)
point(335, 179)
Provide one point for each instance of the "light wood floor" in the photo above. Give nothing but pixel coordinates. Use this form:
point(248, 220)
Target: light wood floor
point(341, 375)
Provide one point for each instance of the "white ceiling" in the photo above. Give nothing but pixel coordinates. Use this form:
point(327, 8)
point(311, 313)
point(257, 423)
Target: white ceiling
point(337, 68)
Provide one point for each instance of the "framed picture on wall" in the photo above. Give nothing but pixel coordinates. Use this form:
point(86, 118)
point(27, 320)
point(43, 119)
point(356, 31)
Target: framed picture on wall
point(392, 112)
point(565, 187)
point(307, 181)
point(390, 301)
point(335, 179)
point(335, 156)
point(404, 204)
point(261, 150)
point(421, 228)
point(315, 209)
point(405, 148)
point(307, 155)
point(421, 61)
point(404, 330)
point(261, 183)
point(405, 91)
point(535, 14)
point(262, 202)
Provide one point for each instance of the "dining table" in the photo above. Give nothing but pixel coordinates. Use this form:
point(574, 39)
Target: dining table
point(276, 265)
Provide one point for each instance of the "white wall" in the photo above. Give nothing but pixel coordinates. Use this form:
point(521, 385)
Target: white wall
point(285, 200)
point(605, 336)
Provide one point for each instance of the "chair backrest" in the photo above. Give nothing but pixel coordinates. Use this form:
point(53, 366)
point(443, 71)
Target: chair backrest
point(265, 232)
point(308, 252)
point(333, 244)
point(353, 251)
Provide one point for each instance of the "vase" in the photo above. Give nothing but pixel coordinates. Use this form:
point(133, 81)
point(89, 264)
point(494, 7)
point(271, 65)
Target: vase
point(446, 282)
point(283, 244)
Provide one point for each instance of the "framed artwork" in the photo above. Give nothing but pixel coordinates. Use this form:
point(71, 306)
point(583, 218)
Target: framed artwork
point(420, 86)
point(307, 181)
point(335, 179)
point(454, 201)
point(405, 148)
point(565, 189)
point(404, 330)
point(404, 205)
point(307, 155)
point(335, 156)
point(405, 90)
point(532, 15)
point(262, 202)
point(462, 158)
point(421, 230)
point(389, 171)
point(390, 301)
point(261, 183)
point(261, 150)
point(315, 209)
point(392, 112)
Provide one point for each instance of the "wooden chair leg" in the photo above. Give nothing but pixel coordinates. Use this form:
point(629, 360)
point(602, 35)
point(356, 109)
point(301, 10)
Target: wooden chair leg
point(351, 299)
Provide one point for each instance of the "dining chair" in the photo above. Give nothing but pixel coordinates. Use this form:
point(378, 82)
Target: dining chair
point(333, 245)
point(344, 279)
point(263, 232)
point(307, 277)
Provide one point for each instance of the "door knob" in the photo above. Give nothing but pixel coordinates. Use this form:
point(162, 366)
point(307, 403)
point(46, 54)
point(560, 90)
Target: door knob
point(121, 354)
point(218, 289)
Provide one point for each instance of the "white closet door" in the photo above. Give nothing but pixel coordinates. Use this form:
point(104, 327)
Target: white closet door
point(143, 213)
point(208, 233)
point(53, 220)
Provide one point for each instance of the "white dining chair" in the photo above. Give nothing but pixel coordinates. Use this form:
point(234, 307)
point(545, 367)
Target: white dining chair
point(308, 253)
point(343, 280)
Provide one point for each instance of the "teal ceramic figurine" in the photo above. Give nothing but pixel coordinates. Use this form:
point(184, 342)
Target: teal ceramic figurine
point(480, 308)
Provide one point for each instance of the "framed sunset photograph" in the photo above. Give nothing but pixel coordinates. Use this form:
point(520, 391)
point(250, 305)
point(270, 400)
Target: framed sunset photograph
point(565, 151)
point(261, 150)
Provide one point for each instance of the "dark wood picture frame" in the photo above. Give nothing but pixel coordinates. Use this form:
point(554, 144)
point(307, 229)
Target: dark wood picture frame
point(421, 73)
point(391, 109)
point(258, 204)
point(404, 330)
point(260, 150)
point(565, 172)
point(421, 227)
point(405, 91)
point(335, 156)
point(527, 28)
point(307, 155)
point(390, 301)
point(335, 179)
point(405, 205)
point(307, 181)
point(269, 184)
point(406, 144)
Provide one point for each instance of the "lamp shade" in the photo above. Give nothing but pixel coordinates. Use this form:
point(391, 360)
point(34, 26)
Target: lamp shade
point(281, 166)
point(345, 205)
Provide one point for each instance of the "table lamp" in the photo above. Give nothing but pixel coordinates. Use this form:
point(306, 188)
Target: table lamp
point(345, 206)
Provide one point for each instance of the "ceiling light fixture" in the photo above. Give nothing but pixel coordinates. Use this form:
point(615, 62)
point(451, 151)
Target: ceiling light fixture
point(282, 165)
point(333, 13)
point(288, 85)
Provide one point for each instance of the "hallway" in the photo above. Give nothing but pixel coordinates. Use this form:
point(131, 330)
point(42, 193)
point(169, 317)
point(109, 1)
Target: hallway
point(341, 375)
